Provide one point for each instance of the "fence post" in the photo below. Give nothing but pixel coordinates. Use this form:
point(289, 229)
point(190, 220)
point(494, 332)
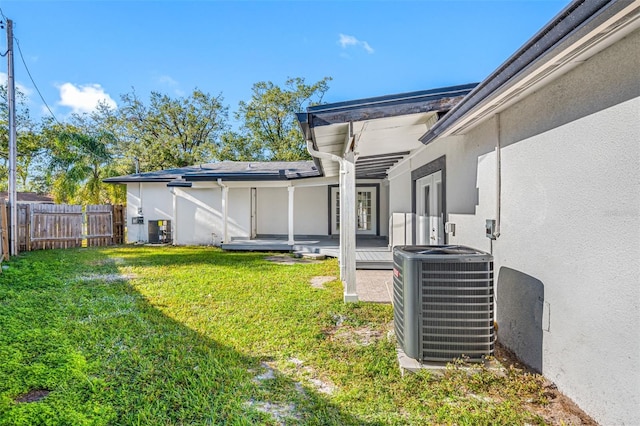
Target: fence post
point(5, 231)
point(27, 228)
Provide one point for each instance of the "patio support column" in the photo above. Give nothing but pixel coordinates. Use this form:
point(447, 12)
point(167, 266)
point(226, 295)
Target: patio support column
point(348, 227)
point(291, 190)
point(225, 211)
point(341, 254)
point(175, 216)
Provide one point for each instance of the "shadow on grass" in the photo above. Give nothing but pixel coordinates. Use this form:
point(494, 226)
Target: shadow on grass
point(107, 356)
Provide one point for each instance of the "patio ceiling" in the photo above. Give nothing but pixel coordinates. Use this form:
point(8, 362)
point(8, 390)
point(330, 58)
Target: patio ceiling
point(379, 143)
point(380, 131)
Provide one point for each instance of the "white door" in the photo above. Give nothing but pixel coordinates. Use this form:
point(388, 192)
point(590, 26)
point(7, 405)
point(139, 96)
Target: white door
point(429, 213)
point(366, 213)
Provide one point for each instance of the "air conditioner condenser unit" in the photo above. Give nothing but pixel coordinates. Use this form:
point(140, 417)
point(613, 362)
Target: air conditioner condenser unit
point(443, 302)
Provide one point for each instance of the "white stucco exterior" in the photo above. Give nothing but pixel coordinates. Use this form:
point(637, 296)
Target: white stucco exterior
point(156, 204)
point(197, 213)
point(569, 248)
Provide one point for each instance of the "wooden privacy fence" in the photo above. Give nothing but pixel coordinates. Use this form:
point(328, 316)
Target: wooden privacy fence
point(49, 226)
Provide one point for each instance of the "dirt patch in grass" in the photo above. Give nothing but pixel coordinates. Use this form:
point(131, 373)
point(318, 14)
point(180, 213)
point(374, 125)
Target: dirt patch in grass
point(285, 259)
point(361, 336)
point(34, 395)
point(108, 261)
point(106, 277)
point(319, 282)
point(356, 336)
point(309, 375)
point(560, 409)
point(279, 411)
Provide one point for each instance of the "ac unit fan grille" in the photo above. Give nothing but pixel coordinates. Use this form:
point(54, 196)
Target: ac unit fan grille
point(457, 310)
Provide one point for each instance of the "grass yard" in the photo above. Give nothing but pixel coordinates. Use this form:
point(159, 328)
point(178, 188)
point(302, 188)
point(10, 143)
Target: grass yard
point(165, 335)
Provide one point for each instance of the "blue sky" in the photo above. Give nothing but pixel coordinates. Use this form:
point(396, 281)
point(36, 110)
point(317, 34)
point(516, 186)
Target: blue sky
point(81, 51)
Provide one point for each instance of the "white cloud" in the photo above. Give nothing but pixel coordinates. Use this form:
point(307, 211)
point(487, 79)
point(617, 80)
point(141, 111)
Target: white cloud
point(83, 98)
point(346, 41)
point(19, 87)
point(170, 82)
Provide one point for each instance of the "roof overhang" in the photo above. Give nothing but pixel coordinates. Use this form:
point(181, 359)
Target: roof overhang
point(380, 131)
point(578, 32)
point(249, 171)
point(136, 179)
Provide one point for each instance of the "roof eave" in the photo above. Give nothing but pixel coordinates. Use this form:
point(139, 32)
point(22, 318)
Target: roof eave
point(566, 28)
point(125, 179)
point(435, 100)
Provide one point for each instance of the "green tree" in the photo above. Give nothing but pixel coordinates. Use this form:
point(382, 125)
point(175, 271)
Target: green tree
point(29, 144)
point(237, 147)
point(270, 130)
point(171, 132)
point(79, 156)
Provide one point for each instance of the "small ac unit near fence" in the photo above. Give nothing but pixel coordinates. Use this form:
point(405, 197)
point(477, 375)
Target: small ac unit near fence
point(443, 302)
point(160, 232)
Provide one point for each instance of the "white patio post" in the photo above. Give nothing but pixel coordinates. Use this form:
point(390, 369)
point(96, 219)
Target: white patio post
point(225, 211)
point(175, 216)
point(291, 192)
point(348, 226)
point(342, 254)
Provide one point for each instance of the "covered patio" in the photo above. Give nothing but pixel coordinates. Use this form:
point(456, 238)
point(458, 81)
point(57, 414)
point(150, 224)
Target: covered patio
point(371, 252)
point(363, 139)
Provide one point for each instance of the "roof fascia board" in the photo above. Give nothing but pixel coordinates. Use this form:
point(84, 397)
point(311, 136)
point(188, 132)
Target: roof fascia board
point(402, 98)
point(126, 179)
point(573, 23)
point(257, 177)
point(371, 112)
point(298, 183)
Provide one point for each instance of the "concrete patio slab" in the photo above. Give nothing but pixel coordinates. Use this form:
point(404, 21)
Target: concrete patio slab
point(374, 285)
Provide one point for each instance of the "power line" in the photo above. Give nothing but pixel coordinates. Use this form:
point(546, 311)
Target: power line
point(32, 81)
point(2, 21)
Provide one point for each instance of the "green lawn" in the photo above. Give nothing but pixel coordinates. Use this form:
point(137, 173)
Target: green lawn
point(149, 335)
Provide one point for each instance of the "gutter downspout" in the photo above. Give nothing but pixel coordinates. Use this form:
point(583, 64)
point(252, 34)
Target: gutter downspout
point(225, 210)
point(496, 232)
point(323, 155)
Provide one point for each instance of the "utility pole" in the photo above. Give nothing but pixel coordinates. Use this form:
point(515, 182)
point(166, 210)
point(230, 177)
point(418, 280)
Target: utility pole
point(11, 96)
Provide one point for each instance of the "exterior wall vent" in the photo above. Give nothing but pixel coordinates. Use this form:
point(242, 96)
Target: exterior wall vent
point(160, 232)
point(443, 302)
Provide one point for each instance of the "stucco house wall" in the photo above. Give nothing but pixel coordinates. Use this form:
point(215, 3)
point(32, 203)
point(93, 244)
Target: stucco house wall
point(568, 257)
point(571, 220)
point(311, 215)
point(156, 204)
point(199, 216)
point(272, 211)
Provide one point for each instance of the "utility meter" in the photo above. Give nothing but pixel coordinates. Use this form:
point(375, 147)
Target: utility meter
point(491, 229)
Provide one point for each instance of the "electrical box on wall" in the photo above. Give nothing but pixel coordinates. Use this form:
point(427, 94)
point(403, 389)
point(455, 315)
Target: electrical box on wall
point(491, 229)
point(450, 228)
point(137, 220)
